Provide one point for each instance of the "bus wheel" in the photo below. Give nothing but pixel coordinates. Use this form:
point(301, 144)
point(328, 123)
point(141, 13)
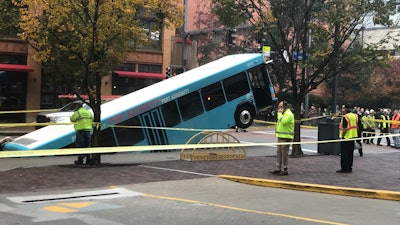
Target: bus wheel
point(244, 116)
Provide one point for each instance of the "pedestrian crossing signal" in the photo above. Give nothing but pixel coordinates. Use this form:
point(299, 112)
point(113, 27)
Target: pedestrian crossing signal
point(168, 72)
point(231, 37)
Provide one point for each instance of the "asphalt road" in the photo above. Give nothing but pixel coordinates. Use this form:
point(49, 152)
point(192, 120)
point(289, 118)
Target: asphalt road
point(193, 201)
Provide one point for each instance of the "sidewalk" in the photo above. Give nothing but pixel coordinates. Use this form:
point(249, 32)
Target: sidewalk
point(378, 169)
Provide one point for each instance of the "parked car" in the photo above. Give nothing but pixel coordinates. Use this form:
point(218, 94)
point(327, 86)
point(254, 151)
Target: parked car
point(61, 115)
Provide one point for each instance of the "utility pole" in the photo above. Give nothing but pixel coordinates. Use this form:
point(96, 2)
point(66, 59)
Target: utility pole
point(184, 36)
point(307, 96)
point(335, 78)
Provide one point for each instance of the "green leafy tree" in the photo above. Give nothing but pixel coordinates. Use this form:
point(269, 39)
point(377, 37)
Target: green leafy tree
point(322, 31)
point(9, 15)
point(92, 35)
point(212, 44)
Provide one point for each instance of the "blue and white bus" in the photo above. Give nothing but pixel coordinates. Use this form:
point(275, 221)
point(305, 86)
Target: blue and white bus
point(225, 93)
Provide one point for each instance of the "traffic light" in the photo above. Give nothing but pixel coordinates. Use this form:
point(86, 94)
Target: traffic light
point(231, 37)
point(261, 37)
point(168, 73)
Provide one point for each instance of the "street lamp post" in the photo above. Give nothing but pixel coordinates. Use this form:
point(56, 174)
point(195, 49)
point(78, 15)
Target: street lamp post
point(184, 36)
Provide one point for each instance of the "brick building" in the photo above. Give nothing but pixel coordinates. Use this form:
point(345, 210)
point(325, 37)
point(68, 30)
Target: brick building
point(24, 86)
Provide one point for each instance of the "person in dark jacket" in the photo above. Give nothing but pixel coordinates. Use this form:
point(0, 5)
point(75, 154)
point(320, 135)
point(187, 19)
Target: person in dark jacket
point(360, 130)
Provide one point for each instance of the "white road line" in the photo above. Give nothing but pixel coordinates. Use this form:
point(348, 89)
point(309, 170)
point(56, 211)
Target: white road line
point(179, 171)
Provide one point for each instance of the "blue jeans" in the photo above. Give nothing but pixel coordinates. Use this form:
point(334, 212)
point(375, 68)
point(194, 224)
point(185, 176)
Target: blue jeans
point(83, 139)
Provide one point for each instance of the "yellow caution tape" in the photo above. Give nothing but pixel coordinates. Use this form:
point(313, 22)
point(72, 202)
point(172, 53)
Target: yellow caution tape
point(29, 111)
point(312, 118)
point(383, 121)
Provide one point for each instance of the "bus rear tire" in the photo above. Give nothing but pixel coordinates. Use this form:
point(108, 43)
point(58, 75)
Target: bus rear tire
point(244, 116)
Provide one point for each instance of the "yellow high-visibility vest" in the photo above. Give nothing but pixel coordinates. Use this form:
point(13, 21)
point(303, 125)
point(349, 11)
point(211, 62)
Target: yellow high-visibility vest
point(351, 131)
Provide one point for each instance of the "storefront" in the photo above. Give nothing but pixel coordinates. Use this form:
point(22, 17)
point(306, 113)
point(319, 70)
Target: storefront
point(20, 79)
point(13, 88)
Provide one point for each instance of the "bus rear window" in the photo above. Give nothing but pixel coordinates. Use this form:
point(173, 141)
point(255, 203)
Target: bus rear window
point(213, 96)
point(236, 86)
point(190, 105)
point(170, 114)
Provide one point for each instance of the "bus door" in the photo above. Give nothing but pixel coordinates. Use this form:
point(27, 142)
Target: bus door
point(260, 85)
point(154, 136)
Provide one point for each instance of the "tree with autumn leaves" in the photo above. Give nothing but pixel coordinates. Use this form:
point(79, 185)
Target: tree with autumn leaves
point(323, 32)
point(91, 36)
point(387, 79)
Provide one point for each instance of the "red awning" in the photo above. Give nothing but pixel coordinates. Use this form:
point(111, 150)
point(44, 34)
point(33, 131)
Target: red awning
point(140, 74)
point(15, 67)
point(86, 97)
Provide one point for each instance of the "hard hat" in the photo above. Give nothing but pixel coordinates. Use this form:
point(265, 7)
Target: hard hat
point(366, 112)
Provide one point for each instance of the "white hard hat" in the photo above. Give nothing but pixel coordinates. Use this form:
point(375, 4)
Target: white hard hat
point(371, 111)
point(366, 112)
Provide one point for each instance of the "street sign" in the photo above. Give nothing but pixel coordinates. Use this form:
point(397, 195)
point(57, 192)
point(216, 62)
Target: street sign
point(299, 56)
point(266, 50)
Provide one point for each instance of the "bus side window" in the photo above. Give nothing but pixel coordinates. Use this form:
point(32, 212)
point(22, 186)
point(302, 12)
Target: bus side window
point(171, 114)
point(107, 138)
point(236, 86)
point(190, 105)
point(129, 136)
point(213, 96)
point(125, 136)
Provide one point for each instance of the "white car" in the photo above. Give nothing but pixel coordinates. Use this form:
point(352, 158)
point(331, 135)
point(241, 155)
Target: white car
point(62, 115)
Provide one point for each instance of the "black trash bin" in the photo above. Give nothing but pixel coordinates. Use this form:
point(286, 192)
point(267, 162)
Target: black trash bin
point(328, 129)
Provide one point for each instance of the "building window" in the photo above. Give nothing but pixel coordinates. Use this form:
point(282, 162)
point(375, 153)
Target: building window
point(127, 67)
point(13, 59)
point(9, 32)
point(150, 68)
point(12, 95)
point(151, 26)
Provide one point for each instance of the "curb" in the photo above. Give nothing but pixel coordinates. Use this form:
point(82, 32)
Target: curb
point(327, 189)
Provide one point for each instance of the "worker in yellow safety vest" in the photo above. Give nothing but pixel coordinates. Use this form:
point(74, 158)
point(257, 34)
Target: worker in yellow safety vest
point(384, 126)
point(284, 133)
point(365, 122)
point(83, 122)
point(348, 129)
